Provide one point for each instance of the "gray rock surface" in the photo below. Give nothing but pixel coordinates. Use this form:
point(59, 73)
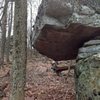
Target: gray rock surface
point(53, 12)
point(63, 12)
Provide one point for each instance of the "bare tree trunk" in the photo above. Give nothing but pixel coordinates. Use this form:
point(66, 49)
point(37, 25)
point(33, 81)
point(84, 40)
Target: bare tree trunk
point(87, 72)
point(3, 28)
point(31, 34)
point(18, 72)
point(9, 33)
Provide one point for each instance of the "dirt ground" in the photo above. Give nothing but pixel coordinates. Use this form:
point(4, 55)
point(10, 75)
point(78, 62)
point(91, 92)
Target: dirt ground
point(42, 82)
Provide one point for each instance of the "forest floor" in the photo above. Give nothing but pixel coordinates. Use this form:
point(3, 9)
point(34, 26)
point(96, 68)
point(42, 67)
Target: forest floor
point(42, 82)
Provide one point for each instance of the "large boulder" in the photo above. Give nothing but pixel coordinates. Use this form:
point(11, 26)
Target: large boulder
point(58, 33)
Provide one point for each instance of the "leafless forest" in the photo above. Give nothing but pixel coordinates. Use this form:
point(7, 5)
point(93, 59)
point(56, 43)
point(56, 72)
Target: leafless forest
point(49, 49)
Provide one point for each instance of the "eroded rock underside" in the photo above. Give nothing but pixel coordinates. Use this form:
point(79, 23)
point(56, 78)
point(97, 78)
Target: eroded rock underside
point(64, 43)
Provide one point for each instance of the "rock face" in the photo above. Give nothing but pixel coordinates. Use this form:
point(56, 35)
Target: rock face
point(57, 32)
point(59, 10)
point(64, 43)
point(52, 12)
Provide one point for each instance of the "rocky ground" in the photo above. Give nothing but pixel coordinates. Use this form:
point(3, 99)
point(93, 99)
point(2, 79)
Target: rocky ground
point(42, 82)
